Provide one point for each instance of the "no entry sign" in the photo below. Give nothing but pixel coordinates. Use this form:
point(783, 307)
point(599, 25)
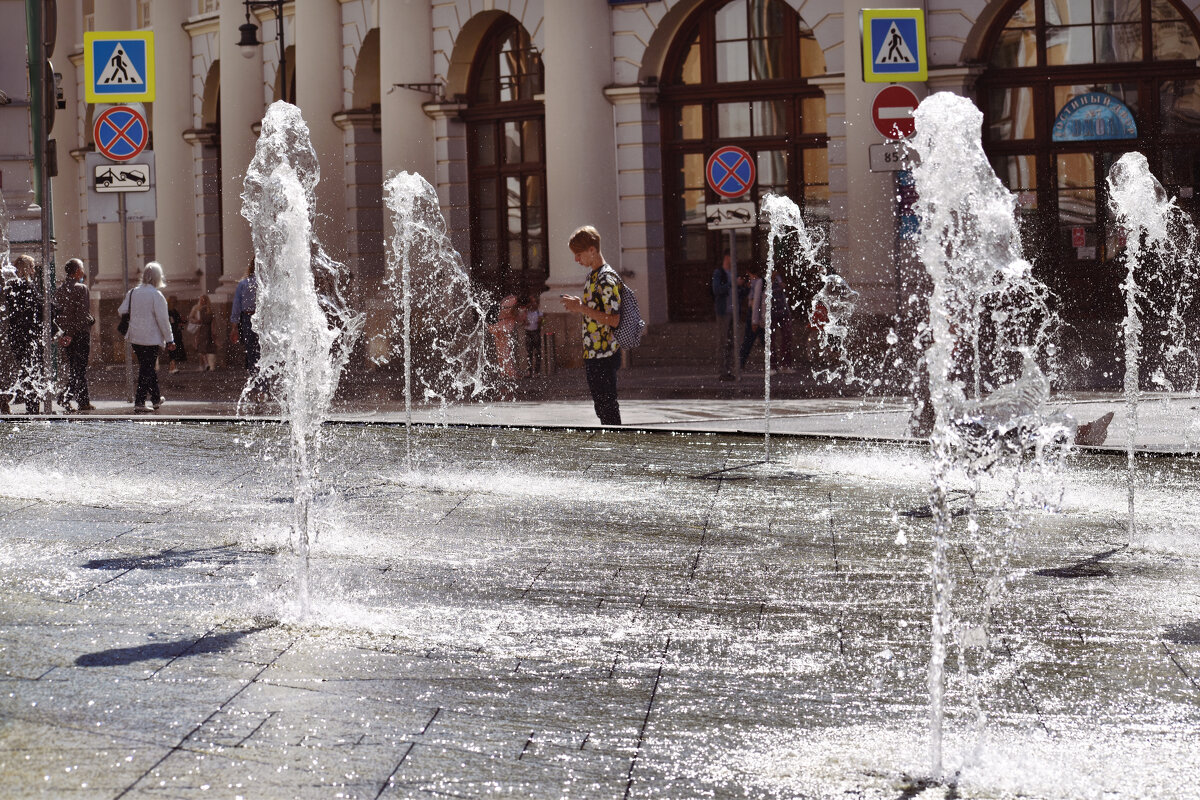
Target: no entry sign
point(120, 133)
point(730, 171)
point(892, 112)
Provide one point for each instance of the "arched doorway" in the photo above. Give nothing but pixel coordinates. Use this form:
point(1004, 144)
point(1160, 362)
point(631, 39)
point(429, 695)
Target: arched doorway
point(1069, 87)
point(506, 158)
point(737, 75)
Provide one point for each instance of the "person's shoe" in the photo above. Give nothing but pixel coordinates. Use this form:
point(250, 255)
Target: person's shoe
point(728, 376)
point(142, 409)
point(86, 407)
point(4, 407)
point(158, 403)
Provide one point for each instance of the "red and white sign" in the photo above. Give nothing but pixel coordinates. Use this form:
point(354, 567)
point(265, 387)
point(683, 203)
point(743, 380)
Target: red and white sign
point(892, 112)
point(1078, 237)
point(120, 133)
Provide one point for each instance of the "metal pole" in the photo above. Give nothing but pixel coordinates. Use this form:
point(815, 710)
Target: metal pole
point(47, 294)
point(129, 388)
point(735, 301)
point(283, 92)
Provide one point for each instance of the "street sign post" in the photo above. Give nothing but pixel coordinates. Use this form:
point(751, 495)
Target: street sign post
point(730, 171)
point(122, 178)
point(893, 45)
point(729, 216)
point(118, 66)
point(120, 133)
point(892, 112)
point(141, 202)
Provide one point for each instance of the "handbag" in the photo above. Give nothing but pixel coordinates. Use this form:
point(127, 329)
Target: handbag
point(123, 325)
point(192, 328)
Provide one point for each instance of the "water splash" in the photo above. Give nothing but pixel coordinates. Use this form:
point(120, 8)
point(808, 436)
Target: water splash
point(989, 318)
point(793, 248)
point(432, 304)
point(305, 326)
point(1153, 225)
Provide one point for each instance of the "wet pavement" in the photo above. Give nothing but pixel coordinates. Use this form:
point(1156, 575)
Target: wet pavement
point(573, 612)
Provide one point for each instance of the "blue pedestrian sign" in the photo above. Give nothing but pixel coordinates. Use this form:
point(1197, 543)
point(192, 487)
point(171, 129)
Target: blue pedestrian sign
point(893, 45)
point(118, 66)
point(730, 171)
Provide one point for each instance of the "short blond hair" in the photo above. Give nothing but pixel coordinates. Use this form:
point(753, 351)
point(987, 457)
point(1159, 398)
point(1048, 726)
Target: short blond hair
point(583, 238)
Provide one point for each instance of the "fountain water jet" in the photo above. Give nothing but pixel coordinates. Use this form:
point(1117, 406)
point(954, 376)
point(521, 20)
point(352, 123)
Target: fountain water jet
point(787, 228)
point(988, 320)
point(430, 295)
point(305, 327)
point(1155, 229)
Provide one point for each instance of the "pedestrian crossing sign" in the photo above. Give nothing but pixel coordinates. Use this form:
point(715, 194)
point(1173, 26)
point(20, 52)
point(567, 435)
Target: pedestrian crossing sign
point(893, 45)
point(118, 66)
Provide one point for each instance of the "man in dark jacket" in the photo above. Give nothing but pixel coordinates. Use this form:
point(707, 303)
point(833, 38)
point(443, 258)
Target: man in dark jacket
point(73, 316)
point(22, 304)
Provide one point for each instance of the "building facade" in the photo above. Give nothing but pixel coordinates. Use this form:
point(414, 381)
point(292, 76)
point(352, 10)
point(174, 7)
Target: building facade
point(532, 117)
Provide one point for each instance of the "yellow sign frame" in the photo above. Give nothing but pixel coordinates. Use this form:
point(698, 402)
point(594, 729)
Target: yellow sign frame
point(94, 71)
point(874, 24)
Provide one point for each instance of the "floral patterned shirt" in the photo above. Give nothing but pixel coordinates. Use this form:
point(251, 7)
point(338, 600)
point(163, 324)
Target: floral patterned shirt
point(602, 291)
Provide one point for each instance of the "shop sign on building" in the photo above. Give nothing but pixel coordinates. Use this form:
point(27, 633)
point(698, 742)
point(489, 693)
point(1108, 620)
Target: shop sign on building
point(1094, 117)
point(118, 66)
point(893, 45)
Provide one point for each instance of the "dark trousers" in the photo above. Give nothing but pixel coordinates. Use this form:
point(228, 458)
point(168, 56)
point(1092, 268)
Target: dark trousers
point(602, 382)
point(147, 384)
point(748, 340)
point(76, 355)
point(533, 346)
point(249, 340)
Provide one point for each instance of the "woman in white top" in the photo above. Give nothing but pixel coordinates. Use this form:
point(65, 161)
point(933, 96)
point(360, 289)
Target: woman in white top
point(149, 329)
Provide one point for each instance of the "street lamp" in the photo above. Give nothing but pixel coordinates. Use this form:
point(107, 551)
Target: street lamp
point(249, 41)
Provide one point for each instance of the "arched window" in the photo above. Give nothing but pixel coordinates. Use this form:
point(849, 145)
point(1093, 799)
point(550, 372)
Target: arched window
point(507, 162)
point(737, 75)
point(1070, 86)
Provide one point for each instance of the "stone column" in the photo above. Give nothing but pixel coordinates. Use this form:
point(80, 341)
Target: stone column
point(319, 96)
point(241, 108)
point(581, 168)
point(174, 228)
point(112, 15)
point(406, 56)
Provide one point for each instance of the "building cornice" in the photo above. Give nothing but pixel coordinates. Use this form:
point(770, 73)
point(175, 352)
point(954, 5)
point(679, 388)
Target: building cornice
point(200, 26)
point(356, 118)
point(444, 110)
point(631, 93)
point(202, 136)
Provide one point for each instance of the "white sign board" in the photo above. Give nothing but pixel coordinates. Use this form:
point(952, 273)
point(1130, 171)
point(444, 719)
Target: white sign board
point(141, 205)
point(892, 157)
point(122, 177)
point(726, 216)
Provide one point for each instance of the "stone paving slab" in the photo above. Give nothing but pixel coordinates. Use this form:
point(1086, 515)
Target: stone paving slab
point(574, 613)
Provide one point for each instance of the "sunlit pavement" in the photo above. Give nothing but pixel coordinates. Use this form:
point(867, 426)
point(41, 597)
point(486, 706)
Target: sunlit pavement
point(574, 613)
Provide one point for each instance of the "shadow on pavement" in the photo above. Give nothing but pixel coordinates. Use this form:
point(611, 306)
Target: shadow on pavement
point(121, 656)
point(168, 559)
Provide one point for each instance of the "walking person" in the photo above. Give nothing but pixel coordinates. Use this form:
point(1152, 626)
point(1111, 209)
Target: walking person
point(782, 358)
point(600, 307)
point(73, 317)
point(504, 332)
point(22, 302)
point(241, 316)
point(723, 300)
point(179, 354)
point(149, 331)
point(533, 335)
point(754, 320)
point(200, 326)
